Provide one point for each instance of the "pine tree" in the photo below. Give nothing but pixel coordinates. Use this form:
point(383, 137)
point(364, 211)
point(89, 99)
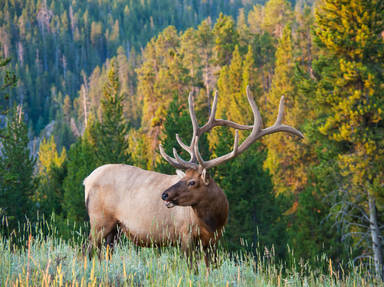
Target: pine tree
point(205, 42)
point(232, 83)
point(49, 157)
point(7, 77)
point(178, 121)
point(17, 183)
point(277, 13)
point(7, 80)
point(110, 133)
point(255, 214)
point(350, 92)
point(285, 154)
point(81, 162)
point(225, 39)
point(52, 170)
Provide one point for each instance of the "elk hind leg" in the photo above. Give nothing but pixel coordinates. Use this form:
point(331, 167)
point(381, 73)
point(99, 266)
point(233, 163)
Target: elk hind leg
point(112, 238)
point(98, 233)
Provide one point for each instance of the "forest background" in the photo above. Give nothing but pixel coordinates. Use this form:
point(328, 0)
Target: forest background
point(84, 83)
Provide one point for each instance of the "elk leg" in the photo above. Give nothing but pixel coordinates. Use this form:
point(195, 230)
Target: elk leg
point(188, 248)
point(210, 255)
point(113, 237)
point(96, 236)
point(192, 250)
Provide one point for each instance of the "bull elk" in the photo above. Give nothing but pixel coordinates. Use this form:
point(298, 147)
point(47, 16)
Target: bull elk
point(158, 209)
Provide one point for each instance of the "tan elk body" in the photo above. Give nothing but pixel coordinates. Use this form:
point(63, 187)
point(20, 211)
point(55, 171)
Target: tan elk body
point(158, 209)
point(130, 197)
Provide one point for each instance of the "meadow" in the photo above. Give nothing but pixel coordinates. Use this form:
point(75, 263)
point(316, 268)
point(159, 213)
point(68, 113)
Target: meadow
point(37, 255)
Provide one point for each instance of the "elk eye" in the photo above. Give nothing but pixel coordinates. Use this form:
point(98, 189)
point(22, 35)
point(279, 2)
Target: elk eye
point(190, 183)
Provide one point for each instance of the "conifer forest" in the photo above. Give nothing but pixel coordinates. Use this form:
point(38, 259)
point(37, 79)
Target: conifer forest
point(88, 83)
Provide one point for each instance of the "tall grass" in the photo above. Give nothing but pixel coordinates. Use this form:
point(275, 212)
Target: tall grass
point(36, 255)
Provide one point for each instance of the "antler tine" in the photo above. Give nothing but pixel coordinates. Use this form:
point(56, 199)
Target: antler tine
point(257, 132)
point(213, 110)
point(183, 145)
point(277, 126)
point(183, 162)
point(177, 161)
point(221, 159)
point(197, 153)
point(236, 143)
point(195, 125)
point(169, 159)
point(257, 120)
point(212, 122)
point(280, 115)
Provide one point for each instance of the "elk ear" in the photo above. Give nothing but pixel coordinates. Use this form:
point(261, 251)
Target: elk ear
point(204, 177)
point(180, 173)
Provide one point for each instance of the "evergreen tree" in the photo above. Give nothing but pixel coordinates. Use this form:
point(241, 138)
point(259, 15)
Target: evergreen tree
point(225, 39)
point(277, 13)
point(49, 157)
point(110, 133)
point(285, 159)
point(7, 77)
point(16, 171)
point(254, 213)
point(49, 193)
point(178, 121)
point(350, 93)
point(205, 42)
point(81, 162)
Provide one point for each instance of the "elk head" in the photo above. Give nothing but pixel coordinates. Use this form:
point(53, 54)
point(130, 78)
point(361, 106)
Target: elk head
point(189, 191)
point(194, 184)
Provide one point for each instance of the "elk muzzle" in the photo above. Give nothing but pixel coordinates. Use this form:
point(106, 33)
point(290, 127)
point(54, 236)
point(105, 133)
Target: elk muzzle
point(168, 203)
point(170, 195)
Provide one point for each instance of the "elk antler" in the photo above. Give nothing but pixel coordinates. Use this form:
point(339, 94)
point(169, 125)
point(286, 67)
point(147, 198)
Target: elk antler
point(197, 161)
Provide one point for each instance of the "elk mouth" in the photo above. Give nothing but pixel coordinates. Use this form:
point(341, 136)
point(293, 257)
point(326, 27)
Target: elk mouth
point(169, 203)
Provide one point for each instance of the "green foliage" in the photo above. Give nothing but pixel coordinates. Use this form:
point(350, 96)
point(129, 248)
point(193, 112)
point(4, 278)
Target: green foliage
point(225, 39)
point(81, 162)
point(7, 77)
point(16, 171)
point(350, 99)
point(49, 157)
point(353, 102)
point(54, 41)
point(287, 156)
point(333, 94)
point(312, 231)
point(49, 194)
point(109, 134)
point(52, 171)
point(178, 121)
point(254, 214)
point(277, 13)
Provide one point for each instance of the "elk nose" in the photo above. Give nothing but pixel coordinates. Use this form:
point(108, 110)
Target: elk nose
point(164, 196)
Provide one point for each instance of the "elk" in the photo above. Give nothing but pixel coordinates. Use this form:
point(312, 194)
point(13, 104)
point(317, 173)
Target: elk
point(158, 209)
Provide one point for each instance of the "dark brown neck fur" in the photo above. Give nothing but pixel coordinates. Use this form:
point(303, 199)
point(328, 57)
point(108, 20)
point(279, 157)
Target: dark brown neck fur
point(212, 211)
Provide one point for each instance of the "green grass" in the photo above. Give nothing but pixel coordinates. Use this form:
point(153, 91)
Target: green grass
point(48, 260)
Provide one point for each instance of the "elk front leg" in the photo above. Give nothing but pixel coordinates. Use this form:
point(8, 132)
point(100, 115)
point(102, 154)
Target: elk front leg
point(188, 247)
point(210, 255)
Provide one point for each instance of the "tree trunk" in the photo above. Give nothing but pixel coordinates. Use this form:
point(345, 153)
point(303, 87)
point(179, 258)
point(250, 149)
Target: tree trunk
point(206, 82)
point(376, 245)
point(85, 94)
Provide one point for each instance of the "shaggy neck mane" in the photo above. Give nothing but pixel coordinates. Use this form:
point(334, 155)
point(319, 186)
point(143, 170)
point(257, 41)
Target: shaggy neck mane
point(213, 210)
